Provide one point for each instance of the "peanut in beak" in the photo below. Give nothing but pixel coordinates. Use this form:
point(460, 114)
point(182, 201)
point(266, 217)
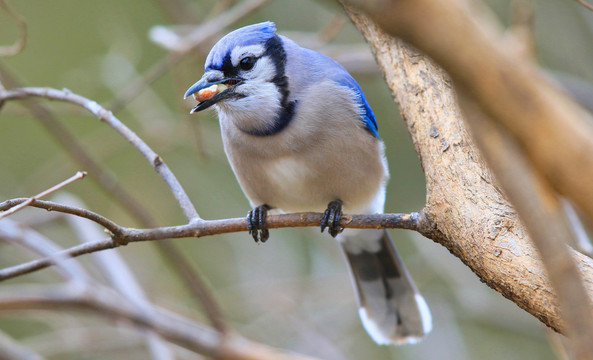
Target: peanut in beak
point(209, 92)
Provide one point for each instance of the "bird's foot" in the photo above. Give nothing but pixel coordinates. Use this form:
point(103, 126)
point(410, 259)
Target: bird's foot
point(256, 223)
point(331, 218)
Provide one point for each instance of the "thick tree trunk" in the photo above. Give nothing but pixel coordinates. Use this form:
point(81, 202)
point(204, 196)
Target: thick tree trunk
point(468, 211)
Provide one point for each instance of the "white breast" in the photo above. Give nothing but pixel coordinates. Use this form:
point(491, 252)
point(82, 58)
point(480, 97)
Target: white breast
point(288, 174)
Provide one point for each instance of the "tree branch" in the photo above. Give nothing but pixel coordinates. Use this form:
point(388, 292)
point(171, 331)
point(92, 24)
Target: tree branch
point(466, 208)
point(174, 328)
point(121, 278)
point(40, 245)
point(177, 261)
point(123, 235)
point(108, 117)
point(462, 37)
point(53, 206)
point(542, 213)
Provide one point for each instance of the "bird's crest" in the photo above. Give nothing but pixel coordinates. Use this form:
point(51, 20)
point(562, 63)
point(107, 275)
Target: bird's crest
point(247, 35)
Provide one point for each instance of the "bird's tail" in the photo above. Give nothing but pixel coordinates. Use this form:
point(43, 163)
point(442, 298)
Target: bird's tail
point(390, 307)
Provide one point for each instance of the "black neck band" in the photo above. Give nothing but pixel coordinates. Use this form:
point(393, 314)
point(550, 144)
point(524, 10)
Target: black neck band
point(275, 51)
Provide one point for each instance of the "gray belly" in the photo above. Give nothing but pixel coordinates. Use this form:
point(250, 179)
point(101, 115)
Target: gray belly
point(300, 183)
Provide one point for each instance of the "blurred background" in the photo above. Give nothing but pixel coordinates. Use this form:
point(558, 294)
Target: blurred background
point(292, 292)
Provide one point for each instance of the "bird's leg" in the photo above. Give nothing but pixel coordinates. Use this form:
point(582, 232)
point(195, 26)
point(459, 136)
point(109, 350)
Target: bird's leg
point(256, 223)
point(331, 218)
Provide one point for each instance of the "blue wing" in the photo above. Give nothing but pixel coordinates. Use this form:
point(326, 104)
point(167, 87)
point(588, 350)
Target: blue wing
point(325, 66)
point(367, 116)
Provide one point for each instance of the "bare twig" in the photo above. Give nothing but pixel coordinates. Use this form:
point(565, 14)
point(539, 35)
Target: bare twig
point(79, 154)
point(119, 275)
point(172, 327)
point(108, 117)
point(42, 263)
point(77, 176)
point(53, 206)
point(411, 221)
point(111, 186)
point(19, 45)
point(585, 4)
point(41, 245)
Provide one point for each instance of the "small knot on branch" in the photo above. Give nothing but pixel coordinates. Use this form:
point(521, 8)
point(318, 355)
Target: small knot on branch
point(157, 160)
point(119, 240)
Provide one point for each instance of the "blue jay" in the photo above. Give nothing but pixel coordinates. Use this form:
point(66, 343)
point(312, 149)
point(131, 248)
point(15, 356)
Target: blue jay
point(300, 136)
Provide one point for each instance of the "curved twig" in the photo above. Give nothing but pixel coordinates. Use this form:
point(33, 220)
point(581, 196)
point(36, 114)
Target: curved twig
point(77, 176)
point(107, 116)
point(586, 4)
point(52, 206)
point(19, 45)
point(109, 183)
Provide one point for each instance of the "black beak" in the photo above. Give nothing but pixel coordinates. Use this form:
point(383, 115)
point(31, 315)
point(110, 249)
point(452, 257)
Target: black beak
point(204, 83)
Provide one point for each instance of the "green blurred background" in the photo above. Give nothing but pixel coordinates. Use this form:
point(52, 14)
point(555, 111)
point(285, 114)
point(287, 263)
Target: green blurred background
point(293, 292)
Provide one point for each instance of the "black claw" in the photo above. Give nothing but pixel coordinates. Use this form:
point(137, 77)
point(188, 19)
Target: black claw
point(256, 223)
point(331, 218)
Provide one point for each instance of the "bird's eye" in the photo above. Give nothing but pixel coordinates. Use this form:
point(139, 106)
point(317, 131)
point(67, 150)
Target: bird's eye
point(247, 63)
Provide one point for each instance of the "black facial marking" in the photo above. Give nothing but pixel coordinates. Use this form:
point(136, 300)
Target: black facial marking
point(275, 51)
point(226, 67)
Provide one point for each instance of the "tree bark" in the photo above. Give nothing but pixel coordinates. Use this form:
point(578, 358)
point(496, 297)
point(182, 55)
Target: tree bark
point(468, 211)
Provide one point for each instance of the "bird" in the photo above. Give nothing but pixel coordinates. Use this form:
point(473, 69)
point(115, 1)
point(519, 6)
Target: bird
point(300, 136)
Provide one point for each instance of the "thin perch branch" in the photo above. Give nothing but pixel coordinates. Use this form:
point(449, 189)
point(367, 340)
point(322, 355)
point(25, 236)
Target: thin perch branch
point(118, 193)
point(122, 235)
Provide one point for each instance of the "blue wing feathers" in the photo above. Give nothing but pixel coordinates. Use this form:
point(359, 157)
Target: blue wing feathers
point(367, 116)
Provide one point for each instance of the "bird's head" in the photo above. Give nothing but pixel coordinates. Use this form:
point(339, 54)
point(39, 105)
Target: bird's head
point(244, 72)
